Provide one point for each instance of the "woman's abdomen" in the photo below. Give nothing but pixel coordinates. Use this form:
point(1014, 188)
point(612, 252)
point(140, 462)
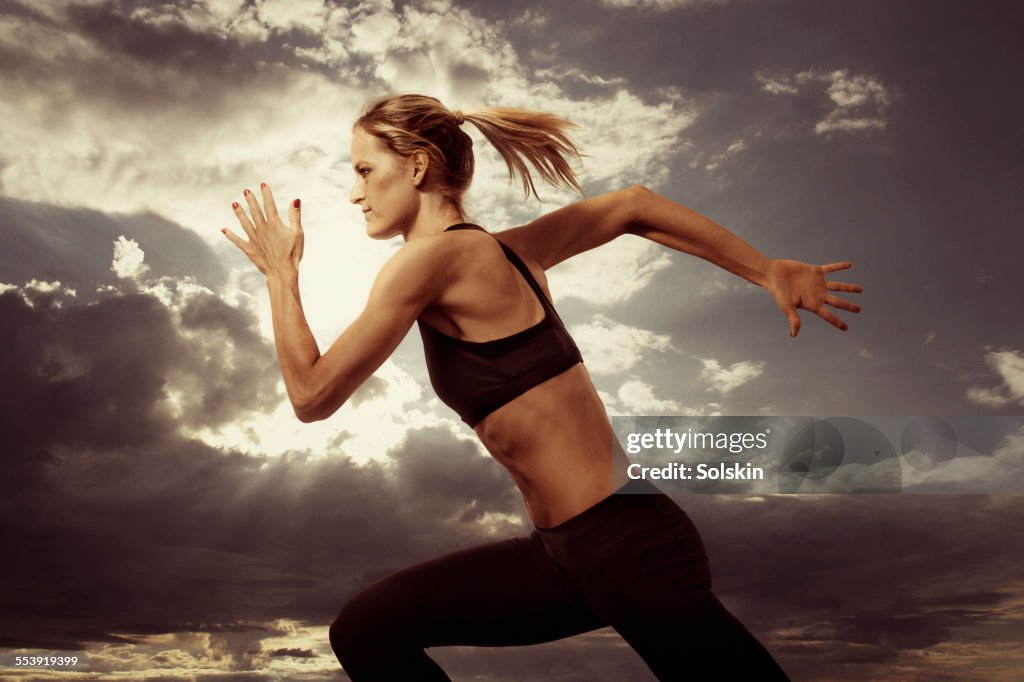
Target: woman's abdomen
point(557, 443)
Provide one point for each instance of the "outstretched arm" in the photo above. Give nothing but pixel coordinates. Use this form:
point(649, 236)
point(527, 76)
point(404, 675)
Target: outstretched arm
point(561, 234)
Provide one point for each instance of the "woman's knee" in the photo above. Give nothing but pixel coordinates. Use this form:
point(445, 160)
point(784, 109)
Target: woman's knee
point(373, 642)
point(357, 631)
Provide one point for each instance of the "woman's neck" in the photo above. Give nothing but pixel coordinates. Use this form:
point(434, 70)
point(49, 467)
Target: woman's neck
point(436, 213)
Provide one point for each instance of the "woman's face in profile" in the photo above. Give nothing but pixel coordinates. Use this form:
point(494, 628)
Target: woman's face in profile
point(383, 188)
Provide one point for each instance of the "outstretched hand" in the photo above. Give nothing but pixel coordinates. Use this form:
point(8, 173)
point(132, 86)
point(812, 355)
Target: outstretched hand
point(272, 246)
point(794, 285)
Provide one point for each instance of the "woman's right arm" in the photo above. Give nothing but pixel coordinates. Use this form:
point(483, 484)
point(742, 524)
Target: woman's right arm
point(412, 279)
point(317, 385)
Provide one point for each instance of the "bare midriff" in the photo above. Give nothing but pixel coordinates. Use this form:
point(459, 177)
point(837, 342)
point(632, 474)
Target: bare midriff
point(557, 443)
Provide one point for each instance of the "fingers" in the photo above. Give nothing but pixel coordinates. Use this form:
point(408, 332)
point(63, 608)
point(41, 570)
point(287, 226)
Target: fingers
point(827, 315)
point(243, 219)
point(837, 302)
point(258, 217)
point(234, 239)
point(832, 267)
point(843, 286)
point(268, 202)
point(794, 321)
point(295, 215)
point(254, 208)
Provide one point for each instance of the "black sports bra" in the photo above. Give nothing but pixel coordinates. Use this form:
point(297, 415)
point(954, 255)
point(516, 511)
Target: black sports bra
point(475, 378)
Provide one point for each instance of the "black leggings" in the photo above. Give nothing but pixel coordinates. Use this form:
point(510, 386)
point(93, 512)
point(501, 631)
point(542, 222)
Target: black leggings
point(632, 561)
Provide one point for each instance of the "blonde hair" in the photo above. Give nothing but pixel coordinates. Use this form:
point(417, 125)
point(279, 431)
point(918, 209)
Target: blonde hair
point(407, 123)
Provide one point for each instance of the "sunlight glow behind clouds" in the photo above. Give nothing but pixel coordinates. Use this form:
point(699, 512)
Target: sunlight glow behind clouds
point(144, 130)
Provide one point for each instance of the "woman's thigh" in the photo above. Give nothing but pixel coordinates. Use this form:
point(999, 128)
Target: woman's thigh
point(500, 594)
point(642, 566)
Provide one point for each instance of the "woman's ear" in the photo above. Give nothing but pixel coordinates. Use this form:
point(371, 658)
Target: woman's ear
point(419, 162)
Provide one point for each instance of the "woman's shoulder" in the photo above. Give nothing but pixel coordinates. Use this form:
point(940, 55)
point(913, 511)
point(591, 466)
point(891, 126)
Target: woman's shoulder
point(440, 255)
point(484, 243)
point(451, 244)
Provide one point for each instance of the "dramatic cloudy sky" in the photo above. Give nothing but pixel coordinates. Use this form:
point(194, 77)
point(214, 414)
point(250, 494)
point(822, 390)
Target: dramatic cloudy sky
point(164, 514)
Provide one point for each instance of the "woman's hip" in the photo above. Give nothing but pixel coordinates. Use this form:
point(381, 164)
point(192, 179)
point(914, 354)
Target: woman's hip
point(637, 538)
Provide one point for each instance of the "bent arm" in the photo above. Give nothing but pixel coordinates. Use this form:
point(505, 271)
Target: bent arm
point(320, 384)
point(297, 351)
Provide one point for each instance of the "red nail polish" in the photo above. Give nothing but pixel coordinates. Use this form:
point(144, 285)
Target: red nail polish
point(246, 192)
point(297, 203)
point(234, 204)
point(263, 185)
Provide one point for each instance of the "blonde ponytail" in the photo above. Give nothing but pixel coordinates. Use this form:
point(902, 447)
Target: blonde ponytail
point(407, 123)
point(521, 135)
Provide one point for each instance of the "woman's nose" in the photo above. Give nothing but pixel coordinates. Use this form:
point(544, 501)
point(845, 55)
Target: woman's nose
point(355, 196)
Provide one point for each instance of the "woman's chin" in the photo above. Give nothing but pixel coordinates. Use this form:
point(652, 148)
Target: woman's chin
point(373, 232)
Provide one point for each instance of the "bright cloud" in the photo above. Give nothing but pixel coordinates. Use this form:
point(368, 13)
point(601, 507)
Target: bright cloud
point(128, 259)
point(636, 397)
point(35, 289)
point(1009, 366)
point(725, 379)
point(860, 102)
point(987, 397)
point(621, 271)
point(286, 14)
point(609, 347)
point(1011, 449)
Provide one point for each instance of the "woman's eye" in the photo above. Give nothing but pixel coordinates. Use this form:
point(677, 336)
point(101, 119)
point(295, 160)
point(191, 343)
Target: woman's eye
point(364, 171)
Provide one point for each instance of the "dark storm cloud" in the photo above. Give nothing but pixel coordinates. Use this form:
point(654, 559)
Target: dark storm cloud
point(95, 376)
point(83, 410)
point(218, 401)
point(162, 532)
point(145, 66)
point(438, 474)
point(100, 482)
point(164, 44)
point(865, 573)
point(74, 246)
point(206, 537)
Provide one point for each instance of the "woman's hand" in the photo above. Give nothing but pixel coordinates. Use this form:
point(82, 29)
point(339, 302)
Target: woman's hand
point(801, 285)
point(272, 247)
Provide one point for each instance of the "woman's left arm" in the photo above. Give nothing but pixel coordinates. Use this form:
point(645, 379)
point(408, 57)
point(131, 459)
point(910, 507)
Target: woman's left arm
point(571, 230)
point(793, 284)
